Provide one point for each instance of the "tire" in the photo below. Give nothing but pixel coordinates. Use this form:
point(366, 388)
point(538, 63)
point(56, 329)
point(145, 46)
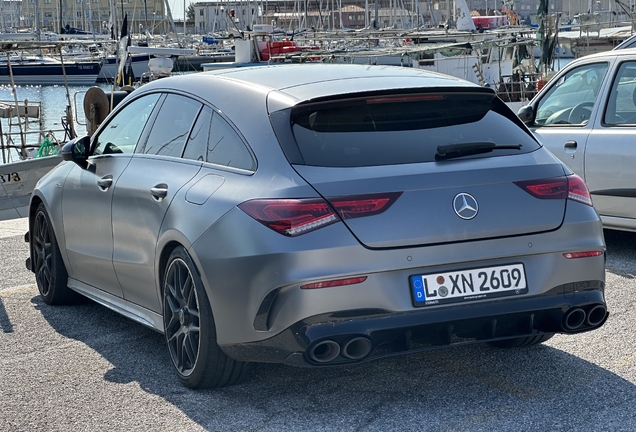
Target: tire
point(190, 332)
point(522, 341)
point(48, 266)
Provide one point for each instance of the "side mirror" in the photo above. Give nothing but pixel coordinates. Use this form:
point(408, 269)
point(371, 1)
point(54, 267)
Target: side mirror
point(526, 114)
point(77, 151)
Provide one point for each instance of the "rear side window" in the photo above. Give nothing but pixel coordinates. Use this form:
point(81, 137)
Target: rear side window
point(213, 140)
point(171, 127)
point(402, 129)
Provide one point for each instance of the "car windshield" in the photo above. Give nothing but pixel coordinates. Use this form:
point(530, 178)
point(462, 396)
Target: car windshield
point(404, 128)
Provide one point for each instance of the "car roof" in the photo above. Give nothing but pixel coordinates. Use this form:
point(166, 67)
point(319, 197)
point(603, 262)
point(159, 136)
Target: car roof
point(626, 52)
point(296, 83)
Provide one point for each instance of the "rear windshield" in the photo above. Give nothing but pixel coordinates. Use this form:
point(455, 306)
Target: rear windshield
point(404, 128)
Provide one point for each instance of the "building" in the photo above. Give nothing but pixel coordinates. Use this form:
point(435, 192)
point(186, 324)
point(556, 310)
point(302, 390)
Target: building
point(149, 14)
point(221, 15)
point(10, 12)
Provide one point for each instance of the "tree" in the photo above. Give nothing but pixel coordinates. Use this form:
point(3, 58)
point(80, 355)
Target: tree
point(190, 13)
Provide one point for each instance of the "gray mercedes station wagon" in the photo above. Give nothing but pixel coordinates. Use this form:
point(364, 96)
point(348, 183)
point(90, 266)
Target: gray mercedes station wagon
point(319, 215)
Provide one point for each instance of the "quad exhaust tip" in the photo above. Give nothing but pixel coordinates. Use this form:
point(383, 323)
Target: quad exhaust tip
point(324, 352)
point(574, 318)
point(577, 317)
point(596, 315)
point(357, 348)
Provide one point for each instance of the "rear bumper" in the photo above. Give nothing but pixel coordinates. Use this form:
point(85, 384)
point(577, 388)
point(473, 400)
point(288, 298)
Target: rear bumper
point(558, 311)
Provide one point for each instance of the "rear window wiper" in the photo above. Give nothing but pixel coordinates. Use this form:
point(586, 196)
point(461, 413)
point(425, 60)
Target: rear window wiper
point(451, 151)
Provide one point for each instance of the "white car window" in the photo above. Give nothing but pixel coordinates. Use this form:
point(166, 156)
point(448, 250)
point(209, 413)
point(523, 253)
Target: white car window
point(621, 106)
point(569, 101)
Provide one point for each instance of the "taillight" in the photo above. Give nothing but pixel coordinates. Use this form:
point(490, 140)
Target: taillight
point(577, 191)
point(363, 205)
point(554, 188)
point(291, 217)
point(294, 217)
point(571, 187)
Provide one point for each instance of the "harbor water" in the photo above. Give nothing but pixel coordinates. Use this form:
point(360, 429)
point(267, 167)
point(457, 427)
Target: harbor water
point(54, 101)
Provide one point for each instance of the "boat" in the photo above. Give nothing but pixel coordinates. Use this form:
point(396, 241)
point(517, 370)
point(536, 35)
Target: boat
point(26, 152)
point(28, 68)
point(42, 70)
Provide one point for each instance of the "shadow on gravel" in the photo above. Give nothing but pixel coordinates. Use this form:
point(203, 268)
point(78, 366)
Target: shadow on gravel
point(5, 322)
point(465, 388)
point(621, 252)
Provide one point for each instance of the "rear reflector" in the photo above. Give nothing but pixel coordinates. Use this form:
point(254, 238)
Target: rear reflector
point(335, 283)
point(571, 255)
point(293, 217)
point(571, 187)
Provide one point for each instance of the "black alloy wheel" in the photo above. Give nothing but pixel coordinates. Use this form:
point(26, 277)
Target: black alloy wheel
point(190, 331)
point(48, 266)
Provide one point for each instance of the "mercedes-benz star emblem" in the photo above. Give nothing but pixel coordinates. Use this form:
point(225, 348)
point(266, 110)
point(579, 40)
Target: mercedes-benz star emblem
point(465, 206)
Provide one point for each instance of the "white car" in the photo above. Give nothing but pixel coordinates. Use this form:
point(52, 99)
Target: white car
point(586, 116)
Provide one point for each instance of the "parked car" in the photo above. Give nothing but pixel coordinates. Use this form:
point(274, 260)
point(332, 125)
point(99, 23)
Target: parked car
point(318, 215)
point(586, 115)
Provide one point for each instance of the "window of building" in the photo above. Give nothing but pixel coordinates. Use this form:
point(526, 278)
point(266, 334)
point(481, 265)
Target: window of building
point(200, 12)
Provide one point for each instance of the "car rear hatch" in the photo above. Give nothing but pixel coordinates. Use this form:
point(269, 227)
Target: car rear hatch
point(425, 167)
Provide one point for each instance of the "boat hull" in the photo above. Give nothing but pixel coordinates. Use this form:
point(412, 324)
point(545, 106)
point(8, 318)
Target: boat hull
point(51, 74)
point(17, 181)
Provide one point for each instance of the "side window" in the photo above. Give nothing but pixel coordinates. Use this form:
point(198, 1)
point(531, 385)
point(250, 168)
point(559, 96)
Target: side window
point(171, 127)
point(122, 132)
point(571, 98)
point(214, 140)
point(197, 146)
point(225, 147)
point(621, 105)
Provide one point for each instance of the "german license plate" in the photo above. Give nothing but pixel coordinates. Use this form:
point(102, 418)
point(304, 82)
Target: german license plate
point(467, 285)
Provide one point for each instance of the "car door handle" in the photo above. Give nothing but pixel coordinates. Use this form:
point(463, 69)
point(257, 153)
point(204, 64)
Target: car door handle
point(571, 144)
point(105, 182)
point(159, 192)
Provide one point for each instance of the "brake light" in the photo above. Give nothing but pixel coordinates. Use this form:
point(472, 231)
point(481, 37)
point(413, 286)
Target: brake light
point(571, 255)
point(554, 188)
point(577, 191)
point(294, 217)
point(571, 187)
point(335, 283)
point(363, 205)
point(404, 98)
point(291, 217)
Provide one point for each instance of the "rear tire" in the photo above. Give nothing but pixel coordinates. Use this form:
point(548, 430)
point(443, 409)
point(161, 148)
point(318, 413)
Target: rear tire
point(190, 331)
point(521, 342)
point(48, 266)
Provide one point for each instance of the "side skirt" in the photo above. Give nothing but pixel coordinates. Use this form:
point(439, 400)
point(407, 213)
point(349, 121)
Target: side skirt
point(129, 310)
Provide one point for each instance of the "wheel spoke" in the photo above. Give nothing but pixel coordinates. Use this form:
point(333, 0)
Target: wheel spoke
point(191, 351)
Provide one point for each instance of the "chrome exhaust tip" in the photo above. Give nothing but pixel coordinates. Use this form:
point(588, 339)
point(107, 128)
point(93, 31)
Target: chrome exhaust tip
point(324, 351)
point(357, 348)
point(574, 318)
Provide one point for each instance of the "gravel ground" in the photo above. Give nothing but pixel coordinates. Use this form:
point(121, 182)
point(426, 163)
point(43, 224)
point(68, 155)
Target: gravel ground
point(84, 367)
